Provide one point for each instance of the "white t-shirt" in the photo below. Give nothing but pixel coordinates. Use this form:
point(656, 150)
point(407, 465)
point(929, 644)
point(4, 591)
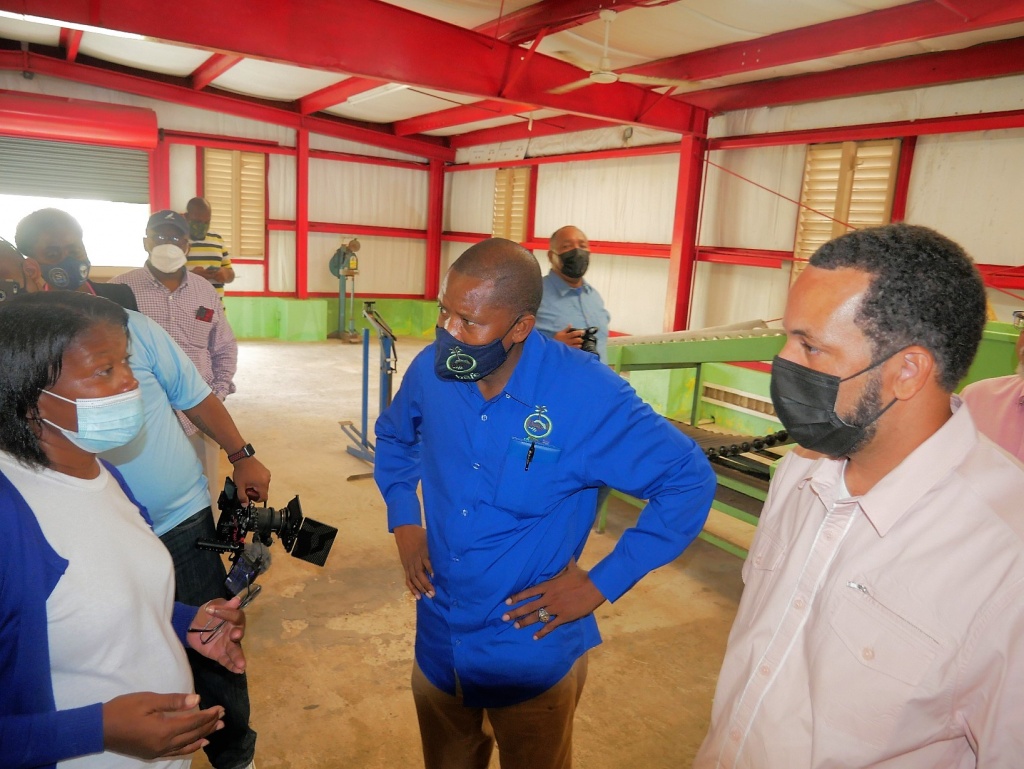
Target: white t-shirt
point(109, 617)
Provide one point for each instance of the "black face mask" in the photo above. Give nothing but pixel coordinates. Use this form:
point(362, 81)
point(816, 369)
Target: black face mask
point(457, 361)
point(575, 263)
point(10, 289)
point(67, 275)
point(805, 402)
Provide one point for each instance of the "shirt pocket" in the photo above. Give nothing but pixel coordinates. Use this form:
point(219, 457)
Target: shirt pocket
point(878, 668)
point(761, 567)
point(198, 332)
point(526, 489)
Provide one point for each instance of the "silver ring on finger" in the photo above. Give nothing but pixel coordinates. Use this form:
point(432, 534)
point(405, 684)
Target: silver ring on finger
point(543, 615)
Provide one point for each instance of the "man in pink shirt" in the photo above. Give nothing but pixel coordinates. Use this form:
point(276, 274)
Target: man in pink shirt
point(997, 404)
point(882, 619)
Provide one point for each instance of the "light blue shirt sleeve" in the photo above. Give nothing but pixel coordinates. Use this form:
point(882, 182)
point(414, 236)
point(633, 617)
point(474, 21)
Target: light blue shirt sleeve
point(170, 366)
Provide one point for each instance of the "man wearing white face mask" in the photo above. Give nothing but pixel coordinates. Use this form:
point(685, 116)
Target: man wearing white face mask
point(188, 307)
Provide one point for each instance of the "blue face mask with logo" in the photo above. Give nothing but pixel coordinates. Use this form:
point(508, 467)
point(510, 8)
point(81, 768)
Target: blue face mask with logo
point(104, 423)
point(67, 275)
point(456, 361)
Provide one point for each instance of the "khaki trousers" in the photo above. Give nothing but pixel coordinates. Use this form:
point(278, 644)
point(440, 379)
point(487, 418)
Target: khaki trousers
point(536, 734)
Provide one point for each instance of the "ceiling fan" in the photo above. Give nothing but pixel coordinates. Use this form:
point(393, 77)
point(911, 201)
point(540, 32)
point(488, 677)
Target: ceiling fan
point(604, 74)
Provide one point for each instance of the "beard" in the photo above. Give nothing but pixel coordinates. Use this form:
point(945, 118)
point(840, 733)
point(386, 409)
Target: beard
point(866, 412)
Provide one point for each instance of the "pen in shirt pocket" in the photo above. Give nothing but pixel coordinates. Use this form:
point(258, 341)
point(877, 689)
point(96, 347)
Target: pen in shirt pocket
point(529, 455)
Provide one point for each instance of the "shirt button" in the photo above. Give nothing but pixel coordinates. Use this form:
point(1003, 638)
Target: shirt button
point(458, 642)
point(757, 561)
point(507, 395)
point(455, 558)
point(829, 536)
point(483, 417)
point(735, 735)
point(868, 653)
point(765, 670)
point(476, 465)
point(799, 603)
point(464, 511)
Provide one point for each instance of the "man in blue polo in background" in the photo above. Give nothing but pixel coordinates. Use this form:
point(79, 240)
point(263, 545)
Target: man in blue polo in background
point(571, 305)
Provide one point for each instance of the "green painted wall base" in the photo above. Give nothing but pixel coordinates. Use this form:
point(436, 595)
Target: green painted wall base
point(311, 320)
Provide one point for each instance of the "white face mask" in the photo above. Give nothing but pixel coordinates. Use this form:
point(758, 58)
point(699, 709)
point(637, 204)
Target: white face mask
point(167, 257)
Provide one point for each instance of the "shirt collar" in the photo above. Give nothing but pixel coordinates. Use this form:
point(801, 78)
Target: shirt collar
point(523, 383)
point(927, 467)
point(563, 288)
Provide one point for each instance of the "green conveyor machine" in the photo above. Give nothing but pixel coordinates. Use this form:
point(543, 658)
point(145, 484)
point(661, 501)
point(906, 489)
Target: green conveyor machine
point(712, 384)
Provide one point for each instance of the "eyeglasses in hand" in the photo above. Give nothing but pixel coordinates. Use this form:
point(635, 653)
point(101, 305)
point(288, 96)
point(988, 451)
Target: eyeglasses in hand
point(210, 631)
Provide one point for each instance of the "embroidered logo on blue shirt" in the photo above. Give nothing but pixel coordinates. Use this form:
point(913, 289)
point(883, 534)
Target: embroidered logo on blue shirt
point(538, 425)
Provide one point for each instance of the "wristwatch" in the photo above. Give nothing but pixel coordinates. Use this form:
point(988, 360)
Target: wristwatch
point(246, 451)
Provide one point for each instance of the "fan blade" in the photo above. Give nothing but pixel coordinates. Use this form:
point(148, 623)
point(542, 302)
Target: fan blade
point(627, 77)
point(573, 58)
point(571, 86)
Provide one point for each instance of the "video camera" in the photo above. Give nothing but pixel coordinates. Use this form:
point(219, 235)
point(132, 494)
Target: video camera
point(304, 538)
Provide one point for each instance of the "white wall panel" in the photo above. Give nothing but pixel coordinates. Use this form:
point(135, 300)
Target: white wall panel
point(730, 293)
point(968, 187)
point(248, 277)
point(623, 199)
point(282, 261)
point(359, 193)
point(996, 95)
point(469, 200)
point(333, 144)
point(386, 265)
point(739, 214)
point(182, 161)
point(281, 187)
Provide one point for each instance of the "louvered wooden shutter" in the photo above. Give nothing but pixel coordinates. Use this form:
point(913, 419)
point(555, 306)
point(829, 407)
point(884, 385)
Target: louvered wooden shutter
point(234, 184)
point(852, 182)
point(511, 190)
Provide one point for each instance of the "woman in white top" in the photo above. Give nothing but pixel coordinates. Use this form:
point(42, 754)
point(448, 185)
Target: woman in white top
point(93, 670)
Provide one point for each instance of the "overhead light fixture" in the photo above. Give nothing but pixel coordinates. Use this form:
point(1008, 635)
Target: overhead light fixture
point(376, 92)
point(70, 25)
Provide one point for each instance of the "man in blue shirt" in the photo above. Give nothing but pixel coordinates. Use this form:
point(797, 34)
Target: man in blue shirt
point(570, 304)
point(498, 425)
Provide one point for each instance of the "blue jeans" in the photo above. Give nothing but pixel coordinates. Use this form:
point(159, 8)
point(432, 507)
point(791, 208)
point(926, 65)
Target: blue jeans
point(198, 577)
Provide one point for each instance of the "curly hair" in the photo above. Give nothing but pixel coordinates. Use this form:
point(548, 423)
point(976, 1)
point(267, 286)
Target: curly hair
point(925, 290)
point(513, 271)
point(35, 332)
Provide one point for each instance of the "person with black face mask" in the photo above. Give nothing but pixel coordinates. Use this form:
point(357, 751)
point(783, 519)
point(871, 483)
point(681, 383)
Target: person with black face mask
point(571, 305)
point(51, 239)
point(883, 608)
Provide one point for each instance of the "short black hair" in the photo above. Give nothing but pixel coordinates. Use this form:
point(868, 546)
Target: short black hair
point(513, 271)
point(31, 228)
point(35, 331)
point(925, 290)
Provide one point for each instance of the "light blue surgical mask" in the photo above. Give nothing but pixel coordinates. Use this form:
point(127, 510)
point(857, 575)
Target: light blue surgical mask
point(104, 423)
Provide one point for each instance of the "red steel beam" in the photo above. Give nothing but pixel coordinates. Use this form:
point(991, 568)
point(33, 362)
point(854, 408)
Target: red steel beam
point(105, 77)
point(435, 226)
point(465, 113)
point(430, 53)
point(915, 21)
point(70, 41)
point(991, 121)
point(336, 94)
point(901, 189)
point(979, 62)
point(683, 254)
point(526, 130)
point(549, 16)
point(302, 214)
point(212, 68)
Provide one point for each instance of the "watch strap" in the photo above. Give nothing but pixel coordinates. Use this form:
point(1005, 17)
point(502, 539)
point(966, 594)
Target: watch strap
point(246, 451)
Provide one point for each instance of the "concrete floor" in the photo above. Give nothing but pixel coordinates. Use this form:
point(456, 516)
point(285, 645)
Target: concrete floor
point(330, 649)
